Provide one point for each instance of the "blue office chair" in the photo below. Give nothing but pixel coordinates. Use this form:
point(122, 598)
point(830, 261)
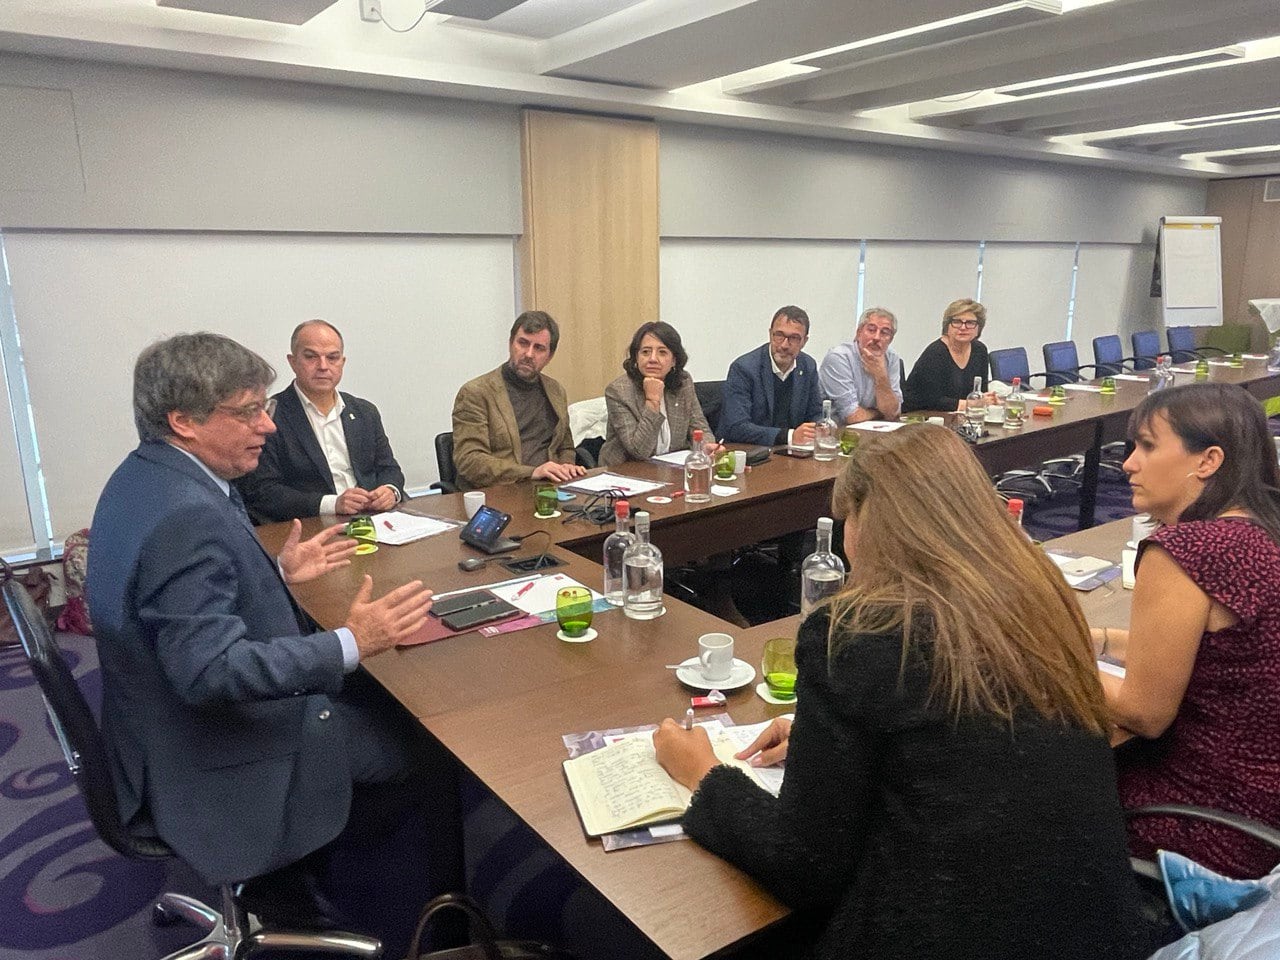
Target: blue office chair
point(710, 395)
point(1108, 356)
point(1062, 363)
point(1009, 363)
point(1182, 345)
point(1146, 347)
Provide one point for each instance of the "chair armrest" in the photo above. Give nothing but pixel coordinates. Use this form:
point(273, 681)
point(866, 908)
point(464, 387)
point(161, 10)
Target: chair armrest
point(584, 457)
point(1206, 351)
point(444, 486)
point(1252, 828)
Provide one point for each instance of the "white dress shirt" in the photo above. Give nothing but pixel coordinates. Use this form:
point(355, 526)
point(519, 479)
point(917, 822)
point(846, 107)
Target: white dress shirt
point(333, 444)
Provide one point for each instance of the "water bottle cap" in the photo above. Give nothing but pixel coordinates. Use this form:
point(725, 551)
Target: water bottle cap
point(1015, 505)
point(825, 523)
point(622, 509)
point(697, 436)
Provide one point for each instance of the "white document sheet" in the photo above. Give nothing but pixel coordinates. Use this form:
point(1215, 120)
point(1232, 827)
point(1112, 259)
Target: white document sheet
point(538, 595)
point(878, 426)
point(675, 458)
point(613, 481)
point(398, 528)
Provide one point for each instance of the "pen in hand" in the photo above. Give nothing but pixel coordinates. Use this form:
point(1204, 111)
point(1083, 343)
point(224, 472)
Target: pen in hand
point(688, 719)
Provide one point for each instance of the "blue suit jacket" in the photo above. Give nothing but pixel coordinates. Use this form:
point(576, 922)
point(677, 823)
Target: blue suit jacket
point(216, 708)
point(293, 473)
point(748, 398)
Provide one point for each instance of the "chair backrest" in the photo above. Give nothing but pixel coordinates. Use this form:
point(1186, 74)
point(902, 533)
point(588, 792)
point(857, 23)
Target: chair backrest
point(1009, 363)
point(711, 399)
point(1108, 354)
point(1182, 343)
point(1061, 362)
point(74, 726)
point(1146, 347)
point(444, 459)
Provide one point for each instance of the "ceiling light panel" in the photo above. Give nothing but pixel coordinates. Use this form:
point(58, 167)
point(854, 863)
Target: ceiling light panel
point(295, 12)
point(475, 9)
point(1125, 73)
point(1243, 117)
point(932, 34)
point(544, 19)
point(1269, 157)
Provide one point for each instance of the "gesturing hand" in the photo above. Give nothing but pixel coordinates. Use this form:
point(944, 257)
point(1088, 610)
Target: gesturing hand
point(380, 624)
point(771, 746)
point(557, 472)
point(303, 560)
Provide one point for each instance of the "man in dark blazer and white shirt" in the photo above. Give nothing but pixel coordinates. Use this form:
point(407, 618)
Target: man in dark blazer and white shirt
point(235, 730)
point(329, 454)
point(778, 370)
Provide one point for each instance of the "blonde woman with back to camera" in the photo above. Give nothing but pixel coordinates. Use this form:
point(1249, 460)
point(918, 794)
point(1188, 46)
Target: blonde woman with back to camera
point(950, 789)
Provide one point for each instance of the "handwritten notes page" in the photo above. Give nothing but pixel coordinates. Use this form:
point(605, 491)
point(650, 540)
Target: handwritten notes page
point(622, 786)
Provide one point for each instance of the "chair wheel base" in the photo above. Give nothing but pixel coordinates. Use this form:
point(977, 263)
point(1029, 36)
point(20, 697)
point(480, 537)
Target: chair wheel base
point(160, 917)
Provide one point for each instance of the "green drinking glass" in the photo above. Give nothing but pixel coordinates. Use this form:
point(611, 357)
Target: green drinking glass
point(1058, 394)
point(362, 530)
point(573, 611)
point(1108, 386)
point(544, 500)
point(1202, 370)
point(778, 665)
point(848, 441)
point(724, 465)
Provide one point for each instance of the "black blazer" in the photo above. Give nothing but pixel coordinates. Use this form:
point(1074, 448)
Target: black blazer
point(293, 473)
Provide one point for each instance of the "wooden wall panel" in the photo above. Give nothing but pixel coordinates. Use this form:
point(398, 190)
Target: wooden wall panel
point(1250, 248)
point(589, 253)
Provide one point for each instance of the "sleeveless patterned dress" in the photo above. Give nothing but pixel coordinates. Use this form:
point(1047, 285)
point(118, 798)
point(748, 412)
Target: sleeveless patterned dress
point(1223, 748)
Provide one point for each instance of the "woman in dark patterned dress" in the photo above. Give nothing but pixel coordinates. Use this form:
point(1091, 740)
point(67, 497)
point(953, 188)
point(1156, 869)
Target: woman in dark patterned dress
point(1202, 653)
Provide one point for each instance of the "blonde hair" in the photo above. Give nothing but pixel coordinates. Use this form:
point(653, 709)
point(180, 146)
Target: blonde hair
point(938, 553)
point(957, 307)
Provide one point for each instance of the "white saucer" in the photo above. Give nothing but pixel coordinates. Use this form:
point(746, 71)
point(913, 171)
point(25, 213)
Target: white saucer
point(762, 691)
point(585, 638)
point(690, 674)
point(728, 479)
point(550, 516)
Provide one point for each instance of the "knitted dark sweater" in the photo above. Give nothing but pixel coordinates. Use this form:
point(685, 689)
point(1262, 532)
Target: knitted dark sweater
point(904, 834)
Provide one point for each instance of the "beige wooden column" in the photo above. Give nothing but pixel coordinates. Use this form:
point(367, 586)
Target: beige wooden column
point(589, 253)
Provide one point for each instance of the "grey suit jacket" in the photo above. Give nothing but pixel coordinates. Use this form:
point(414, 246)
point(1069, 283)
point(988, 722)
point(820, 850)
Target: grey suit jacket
point(217, 696)
point(633, 427)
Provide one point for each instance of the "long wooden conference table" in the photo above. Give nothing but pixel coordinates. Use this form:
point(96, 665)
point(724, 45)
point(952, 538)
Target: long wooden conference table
point(501, 704)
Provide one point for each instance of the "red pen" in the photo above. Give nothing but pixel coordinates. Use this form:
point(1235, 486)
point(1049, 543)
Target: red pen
point(525, 589)
point(677, 493)
point(387, 524)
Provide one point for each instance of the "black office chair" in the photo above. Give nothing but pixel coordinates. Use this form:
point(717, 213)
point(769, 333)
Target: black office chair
point(448, 482)
point(1146, 347)
point(1009, 363)
point(229, 933)
point(711, 398)
point(587, 453)
point(1062, 363)
point(1108, 356)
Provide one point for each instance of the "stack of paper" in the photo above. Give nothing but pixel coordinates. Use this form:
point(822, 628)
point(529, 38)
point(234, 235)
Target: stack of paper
point(397, 528)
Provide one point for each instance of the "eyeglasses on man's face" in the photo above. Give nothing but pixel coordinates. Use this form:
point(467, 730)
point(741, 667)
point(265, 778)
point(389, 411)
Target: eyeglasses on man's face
point(964, 324)
point(790, 339)
point(250, 412)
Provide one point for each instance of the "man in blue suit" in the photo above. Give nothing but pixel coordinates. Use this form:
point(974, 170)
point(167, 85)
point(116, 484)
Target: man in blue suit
point(772, 395)
point(236, 731)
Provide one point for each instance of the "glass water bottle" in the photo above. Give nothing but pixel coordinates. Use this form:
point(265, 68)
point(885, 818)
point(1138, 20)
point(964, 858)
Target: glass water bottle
point(826, 435)
point(642, 574)
point(975, 405)
point(697, 472)
point(614, 549)
point(822, 573)
point(1015, 406)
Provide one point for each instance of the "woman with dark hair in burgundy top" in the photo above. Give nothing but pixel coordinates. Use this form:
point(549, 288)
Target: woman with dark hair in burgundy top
point(1202, 653)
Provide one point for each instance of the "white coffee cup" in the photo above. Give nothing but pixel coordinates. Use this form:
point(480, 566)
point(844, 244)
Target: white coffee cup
point(715, 653)
point(995, 413)
point(1143, 527)
point(739, 461)
point(936, 421)
point(472, 501)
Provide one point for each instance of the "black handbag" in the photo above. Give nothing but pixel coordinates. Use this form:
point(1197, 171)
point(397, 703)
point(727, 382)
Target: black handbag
point(484, 944)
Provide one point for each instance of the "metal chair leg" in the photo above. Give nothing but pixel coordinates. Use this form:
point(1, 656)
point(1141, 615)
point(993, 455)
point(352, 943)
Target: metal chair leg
point(178, 908)
point(334, 944)
point(204, 950)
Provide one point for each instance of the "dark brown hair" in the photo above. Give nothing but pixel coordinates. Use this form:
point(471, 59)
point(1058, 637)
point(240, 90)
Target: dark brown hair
point(535, 321)
point(792, 313)
point(670, 339)
point(1223, 415)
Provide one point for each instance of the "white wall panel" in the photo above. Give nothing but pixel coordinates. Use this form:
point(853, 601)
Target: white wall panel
point(15, 521)
point(721, 295)
point(420, 315)
point(1026, 288)
point(1113, 294)
point(916, 281)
